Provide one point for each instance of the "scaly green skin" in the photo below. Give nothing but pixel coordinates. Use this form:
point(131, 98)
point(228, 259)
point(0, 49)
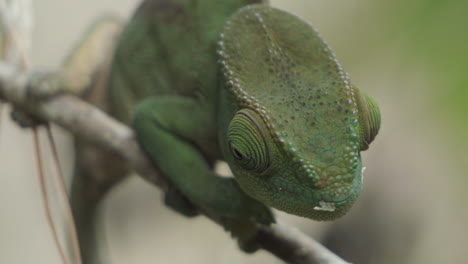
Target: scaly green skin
point(308, 111)
point(255, 86)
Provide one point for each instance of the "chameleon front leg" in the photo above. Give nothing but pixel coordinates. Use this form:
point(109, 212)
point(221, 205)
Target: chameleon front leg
point(168, 128)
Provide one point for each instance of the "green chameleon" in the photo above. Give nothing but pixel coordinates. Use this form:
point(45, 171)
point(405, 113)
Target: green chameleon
point(240, 81)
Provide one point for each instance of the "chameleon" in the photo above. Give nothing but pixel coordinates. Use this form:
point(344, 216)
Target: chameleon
point(243, 82)
point(254, 86)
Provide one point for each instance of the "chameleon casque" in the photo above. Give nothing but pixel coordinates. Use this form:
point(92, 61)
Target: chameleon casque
point(243, 82)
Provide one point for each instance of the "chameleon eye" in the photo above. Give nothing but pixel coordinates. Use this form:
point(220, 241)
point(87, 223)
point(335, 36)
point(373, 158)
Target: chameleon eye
point(247, 142)
point(370, 118)
point(236, 153)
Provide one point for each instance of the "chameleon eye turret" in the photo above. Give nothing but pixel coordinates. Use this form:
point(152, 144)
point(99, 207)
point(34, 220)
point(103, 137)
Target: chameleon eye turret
point(247, 142)
point(370, 121)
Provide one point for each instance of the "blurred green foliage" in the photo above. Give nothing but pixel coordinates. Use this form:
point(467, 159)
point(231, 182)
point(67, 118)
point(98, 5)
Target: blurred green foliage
point(437, 36)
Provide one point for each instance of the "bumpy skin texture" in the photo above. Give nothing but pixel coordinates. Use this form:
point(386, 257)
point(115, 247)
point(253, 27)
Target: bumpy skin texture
point(252, 85)
point(305, 107)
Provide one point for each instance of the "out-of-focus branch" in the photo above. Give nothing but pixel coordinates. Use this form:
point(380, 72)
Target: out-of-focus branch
point(75, 115)
point(293, 246)
point(16, 29)
point(88, 122)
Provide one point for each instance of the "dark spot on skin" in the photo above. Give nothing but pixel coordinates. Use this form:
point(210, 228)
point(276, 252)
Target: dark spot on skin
point(293, 85)
point(321, 103)
point(313, 105)
point(312, 124)
point(339, 108)
point(267, 59)
point(346, 111)
point(345, 119)
point(318, 90)
point(293, 118)
point(270, 70)
point(310, 98)
point(318, 97)
point(286, 121)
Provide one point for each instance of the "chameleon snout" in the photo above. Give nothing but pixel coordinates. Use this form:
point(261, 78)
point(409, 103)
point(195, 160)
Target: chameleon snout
point(339, 193)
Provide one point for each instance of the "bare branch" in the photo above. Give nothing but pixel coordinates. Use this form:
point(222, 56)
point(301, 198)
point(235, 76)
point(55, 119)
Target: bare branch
point(293, 246)
point(80, 118)
point(90, 123)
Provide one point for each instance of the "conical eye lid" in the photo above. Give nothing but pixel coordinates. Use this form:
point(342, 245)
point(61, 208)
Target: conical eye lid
point(254, 118)
point(250, 114)
point(371, 116)
point(249, 142)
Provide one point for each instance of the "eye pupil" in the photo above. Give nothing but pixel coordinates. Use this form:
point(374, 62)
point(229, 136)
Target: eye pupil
point(237, 154)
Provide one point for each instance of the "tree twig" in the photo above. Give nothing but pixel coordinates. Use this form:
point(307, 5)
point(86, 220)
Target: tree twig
point(45, 197)
point(86, 121)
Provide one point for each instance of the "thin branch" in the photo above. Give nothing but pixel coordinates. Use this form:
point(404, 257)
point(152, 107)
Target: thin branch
point(81, 118)
point(88, 122)
point(293, 246)
point(64, 196)
point(45, 197)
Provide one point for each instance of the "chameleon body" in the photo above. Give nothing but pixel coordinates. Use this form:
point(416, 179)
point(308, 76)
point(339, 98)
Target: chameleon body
point(255, 86)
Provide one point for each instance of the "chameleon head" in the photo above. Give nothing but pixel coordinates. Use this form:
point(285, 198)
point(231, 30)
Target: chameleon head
point(298, 125)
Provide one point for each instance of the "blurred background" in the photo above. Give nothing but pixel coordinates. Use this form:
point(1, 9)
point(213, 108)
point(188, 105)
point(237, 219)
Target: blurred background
point(409, 55)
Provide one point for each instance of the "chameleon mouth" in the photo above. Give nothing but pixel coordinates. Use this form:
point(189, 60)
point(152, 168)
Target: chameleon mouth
point(352, 193)
point(332, 204)
point(325, 206)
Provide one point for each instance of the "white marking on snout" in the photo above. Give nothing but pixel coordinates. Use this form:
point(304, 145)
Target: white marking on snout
point(325, 206)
